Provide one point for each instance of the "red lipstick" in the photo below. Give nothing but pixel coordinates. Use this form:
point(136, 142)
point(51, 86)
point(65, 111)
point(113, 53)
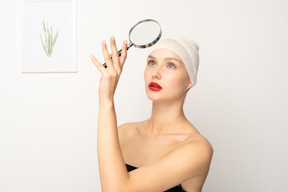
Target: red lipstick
point(154, 86)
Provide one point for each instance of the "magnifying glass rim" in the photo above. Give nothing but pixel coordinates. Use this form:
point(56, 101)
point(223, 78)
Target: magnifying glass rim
point(151, 43)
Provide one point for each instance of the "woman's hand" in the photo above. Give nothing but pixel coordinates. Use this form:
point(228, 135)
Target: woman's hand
point(111, 74)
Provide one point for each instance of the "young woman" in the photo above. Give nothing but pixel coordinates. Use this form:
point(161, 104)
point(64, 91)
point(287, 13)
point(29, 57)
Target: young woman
point(164, 152)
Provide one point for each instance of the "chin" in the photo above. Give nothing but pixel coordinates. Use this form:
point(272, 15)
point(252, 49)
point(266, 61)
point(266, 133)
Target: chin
point(153, 98)
point(156, 97)
point(165, 97)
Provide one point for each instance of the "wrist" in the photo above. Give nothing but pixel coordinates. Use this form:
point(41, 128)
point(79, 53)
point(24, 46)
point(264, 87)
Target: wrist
point(106, 101)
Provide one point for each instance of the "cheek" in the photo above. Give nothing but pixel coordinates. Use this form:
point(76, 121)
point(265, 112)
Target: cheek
point(147, 74)
point(179, 83)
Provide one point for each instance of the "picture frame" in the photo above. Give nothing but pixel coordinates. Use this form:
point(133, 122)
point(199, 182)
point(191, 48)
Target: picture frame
point(49, 36)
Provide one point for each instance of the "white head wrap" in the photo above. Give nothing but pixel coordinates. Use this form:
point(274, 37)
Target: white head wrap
point(186, 49)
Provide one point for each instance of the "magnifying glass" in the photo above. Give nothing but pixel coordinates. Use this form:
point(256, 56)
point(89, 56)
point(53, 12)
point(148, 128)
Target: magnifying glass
point(143, 34)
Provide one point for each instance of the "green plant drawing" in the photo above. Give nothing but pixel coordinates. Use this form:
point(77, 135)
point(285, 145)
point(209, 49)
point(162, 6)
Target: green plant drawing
point(50, 39)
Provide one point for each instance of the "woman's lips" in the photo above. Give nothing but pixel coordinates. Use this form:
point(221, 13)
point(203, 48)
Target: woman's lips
point(154, 86)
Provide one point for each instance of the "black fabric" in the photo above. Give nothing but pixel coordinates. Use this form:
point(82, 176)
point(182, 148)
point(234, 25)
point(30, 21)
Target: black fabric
point(177, 188)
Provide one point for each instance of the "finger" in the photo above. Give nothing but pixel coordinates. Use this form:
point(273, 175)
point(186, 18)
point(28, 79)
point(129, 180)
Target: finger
point(123, 54)
point(99, 65)
point(115, 55)
point(106, 55)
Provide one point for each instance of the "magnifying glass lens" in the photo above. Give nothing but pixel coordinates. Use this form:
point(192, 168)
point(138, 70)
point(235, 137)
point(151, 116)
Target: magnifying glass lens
point(145, 33)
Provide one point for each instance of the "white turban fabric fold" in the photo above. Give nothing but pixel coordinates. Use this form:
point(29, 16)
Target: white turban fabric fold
point(186, 49)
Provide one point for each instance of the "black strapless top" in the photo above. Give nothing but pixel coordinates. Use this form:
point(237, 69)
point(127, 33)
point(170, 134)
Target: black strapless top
point(177, 188)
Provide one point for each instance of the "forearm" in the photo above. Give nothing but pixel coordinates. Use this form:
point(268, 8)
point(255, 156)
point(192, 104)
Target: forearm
point(112, 168)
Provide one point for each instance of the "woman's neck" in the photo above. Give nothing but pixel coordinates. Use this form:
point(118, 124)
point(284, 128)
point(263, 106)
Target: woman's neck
point(166, 116)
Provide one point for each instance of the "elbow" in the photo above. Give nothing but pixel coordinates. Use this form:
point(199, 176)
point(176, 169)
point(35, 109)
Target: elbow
point(121, 184)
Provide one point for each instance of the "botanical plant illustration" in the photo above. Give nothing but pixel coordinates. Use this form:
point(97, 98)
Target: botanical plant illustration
point(50, 39)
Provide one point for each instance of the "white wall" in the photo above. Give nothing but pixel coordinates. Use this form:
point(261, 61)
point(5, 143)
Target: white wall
point(48, 122)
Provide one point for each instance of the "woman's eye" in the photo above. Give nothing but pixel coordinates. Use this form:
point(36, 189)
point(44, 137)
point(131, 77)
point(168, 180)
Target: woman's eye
point(151, 63)
point(172, 66)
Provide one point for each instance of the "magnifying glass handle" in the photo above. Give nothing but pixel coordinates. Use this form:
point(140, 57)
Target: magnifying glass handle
point(119, 52)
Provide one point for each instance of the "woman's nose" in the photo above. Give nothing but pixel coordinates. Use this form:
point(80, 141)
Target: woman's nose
point(156, 73)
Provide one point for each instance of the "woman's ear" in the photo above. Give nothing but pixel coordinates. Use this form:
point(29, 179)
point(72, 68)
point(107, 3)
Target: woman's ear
point(189, 86)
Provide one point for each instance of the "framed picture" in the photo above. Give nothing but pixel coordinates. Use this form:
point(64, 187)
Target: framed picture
point(49, 36)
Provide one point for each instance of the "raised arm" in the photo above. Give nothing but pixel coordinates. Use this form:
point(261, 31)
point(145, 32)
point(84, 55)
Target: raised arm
point(111, 164)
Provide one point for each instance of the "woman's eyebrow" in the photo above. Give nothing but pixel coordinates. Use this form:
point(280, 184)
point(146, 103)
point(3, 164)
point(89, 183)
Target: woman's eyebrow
point(166, 58)
point(150, 56)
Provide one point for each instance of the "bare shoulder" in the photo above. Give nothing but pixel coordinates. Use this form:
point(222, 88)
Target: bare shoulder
point(129, 130)
point(199, 141)
point(130, 126)
point(195, 147)
point(196, 140)
point(197, 152)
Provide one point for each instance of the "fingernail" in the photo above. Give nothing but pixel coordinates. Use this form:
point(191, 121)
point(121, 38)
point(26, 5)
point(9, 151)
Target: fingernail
point(113, 38)
point(103, 42)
